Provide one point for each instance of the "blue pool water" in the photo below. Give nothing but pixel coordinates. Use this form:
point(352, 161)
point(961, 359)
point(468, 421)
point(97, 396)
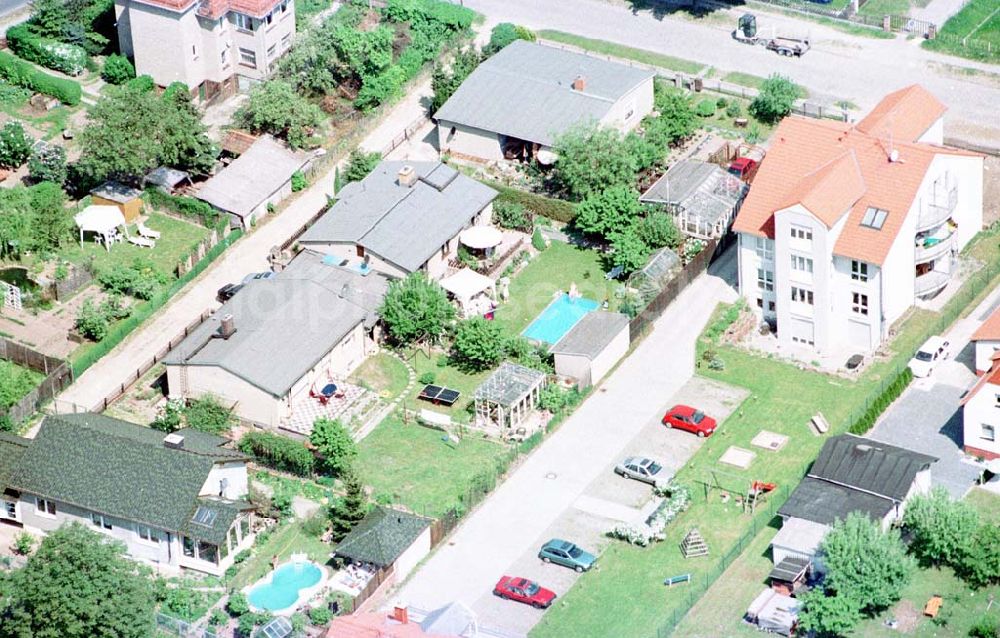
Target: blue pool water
point(283, 590)
point(558, 318)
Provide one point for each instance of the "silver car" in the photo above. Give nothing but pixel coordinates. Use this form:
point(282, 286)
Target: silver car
point(643, 469)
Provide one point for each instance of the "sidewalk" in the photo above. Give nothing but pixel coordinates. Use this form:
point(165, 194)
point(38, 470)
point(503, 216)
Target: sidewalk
point(247, 255)
point(938, 11)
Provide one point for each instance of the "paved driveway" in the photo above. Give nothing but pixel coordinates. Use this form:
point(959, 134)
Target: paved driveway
point(562, 488)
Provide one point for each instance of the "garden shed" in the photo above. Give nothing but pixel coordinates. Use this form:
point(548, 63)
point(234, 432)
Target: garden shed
point(702, 197)
point(388, 537)
point(592, 347)
point(507, 399)
point(166, 179)
point(127, 199)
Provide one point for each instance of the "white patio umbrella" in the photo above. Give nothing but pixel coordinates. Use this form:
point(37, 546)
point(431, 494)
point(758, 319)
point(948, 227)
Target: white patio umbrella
point(481, 237)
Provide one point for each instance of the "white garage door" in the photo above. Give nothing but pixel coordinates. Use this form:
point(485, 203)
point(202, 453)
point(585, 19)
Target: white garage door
point(859, 334)
point(802, 331)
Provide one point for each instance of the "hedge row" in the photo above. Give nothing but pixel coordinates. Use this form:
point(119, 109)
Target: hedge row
point(23, 74)
point(183, 205)
point(890, 392)
point(143, 311)
point(52, 54)
point(278, 452)
point(555, 209)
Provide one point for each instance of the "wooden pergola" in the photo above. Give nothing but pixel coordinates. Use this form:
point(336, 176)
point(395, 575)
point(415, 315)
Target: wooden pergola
point(508, 396)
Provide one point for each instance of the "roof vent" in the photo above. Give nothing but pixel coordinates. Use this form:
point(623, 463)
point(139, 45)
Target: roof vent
point(893, 155)
point(579, 83)
point(174, 441)
point(227, 327)
point(863, 447)
point(407, 176)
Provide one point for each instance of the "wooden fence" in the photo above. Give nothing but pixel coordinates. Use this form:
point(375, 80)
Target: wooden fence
point(376, 581)
point(58, 375)
point(493, 268)
point(78, 277)
point(691, 271)
point(404, 137)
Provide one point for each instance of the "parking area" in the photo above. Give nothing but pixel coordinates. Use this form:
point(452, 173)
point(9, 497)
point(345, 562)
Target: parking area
point(928, 419)
point(609, 499)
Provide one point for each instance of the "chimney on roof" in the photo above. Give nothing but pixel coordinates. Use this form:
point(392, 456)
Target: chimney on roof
point(227, 327)
point(407, 176)
point(580, 83)
point(401, 614)
point(173, 441)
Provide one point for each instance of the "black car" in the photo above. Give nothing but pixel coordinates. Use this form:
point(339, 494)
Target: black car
point(226, 292)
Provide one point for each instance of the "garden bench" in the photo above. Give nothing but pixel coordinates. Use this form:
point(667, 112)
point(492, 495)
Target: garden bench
point(677, 580)
point(933, 606)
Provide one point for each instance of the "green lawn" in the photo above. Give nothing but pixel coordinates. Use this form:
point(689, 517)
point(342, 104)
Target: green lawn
point(633, 576)
point(988, 503)
point(559, 266)
point(444, 375)
point(979, 21)
point(177, 239)
point(384, 374)
point(15, 382)
point(622, 51)
point(412, 465)
point(288, 539)
point(886, 7)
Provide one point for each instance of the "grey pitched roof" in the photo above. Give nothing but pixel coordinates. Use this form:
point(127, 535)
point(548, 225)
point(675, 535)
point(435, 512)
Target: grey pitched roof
point(823, 502)
point(455, 619)
point(252, 177)
point(382, 536)
point(525, 91)
point(869, 465)
point(117, 468)
point(116, 192)
point(11, 449)
point(404, 225)
point(165, 177)
point(591, 334)
point(285, 325)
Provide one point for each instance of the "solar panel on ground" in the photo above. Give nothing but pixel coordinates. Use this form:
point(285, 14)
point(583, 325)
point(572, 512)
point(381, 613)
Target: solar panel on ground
point(438, 394)
point(448, 396)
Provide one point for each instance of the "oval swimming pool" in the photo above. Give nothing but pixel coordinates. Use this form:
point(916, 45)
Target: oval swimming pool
point(282, 590)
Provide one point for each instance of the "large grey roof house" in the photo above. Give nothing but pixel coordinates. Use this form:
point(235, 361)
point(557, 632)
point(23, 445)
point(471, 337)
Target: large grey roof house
point(403, 217)
point(519, 100)
point(267, 346)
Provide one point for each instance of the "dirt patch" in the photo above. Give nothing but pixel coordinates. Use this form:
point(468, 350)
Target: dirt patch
point(991, 190)
point(908, 617)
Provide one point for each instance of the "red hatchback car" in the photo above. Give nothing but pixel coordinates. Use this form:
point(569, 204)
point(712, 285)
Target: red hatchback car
point(524, 591)
point(684, 417)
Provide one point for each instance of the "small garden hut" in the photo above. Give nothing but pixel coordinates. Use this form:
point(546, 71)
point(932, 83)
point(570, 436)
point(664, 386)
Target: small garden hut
point(508, 398)
point(127, 199)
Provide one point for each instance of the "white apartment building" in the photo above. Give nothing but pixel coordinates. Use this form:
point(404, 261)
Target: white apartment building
point(845, 226)
point(981, 416)
point(215, 47)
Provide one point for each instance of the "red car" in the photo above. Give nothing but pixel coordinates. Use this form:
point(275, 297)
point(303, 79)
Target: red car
point(684, 417)
point(524, 591)
point(744, 168)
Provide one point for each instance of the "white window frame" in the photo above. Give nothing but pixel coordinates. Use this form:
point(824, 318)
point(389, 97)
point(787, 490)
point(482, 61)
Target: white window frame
point(765, 279)
point(145, 534)
point(243, 22)
point(248, 57)
point(859, 270)
point(764, 248)
point(801, 232)
point(100, 520)
point(859, 303)
point(802, 264)
point(802, 295)
point(10, 509)
point(45, 507)
point(987, 432)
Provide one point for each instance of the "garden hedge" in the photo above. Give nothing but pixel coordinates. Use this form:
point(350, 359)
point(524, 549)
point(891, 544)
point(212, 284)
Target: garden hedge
point(555, 209)
point(278, 452)
point(183, 205)
point(53, 54)
point(890, 392)
point(24, 74)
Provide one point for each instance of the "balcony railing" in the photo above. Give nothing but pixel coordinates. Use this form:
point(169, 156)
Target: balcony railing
point(930, 283)
point(937, 209)
point(924, 254)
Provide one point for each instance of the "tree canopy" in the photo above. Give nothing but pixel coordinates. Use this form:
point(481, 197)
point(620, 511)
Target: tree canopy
point(79, 584)
point(943, 529)
point(274, 107)
point(609, 211)
point(775, 99)
point(334, 444)
point(360, 164)
point(34, 218)
point(503, 34)
point(592, 159)
point(448, 77)
point(415, 307)
point(479, 343)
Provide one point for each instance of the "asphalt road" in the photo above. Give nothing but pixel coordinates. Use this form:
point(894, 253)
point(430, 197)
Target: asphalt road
point(838, 67)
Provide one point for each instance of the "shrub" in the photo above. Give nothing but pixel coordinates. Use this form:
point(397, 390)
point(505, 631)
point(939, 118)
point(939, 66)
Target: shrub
point(986, 627)
point(48, 164)
point(705, 108)
point(237, 604)
point(241, 556)
point(320, 616)
point(427, 378)
point(734, 109)
point(217, 618)
point(117, 69)
point(512, 215)
point(208, 415)
point(555, 209)
point(505, 33)
point(142, 84)
point(334, 444)
point(538, 240)
point(24, 543)
point(316, 524)
point(23, 74)
point(67, 58)
point(298, 181)
point(479, 343)
point(91, 322)
point(141, 279)
point(278, 452)
point(360, 164)
point(775, 99)
point(721, 103)
point(15, 145)
point(890, 393)
point(182, 205)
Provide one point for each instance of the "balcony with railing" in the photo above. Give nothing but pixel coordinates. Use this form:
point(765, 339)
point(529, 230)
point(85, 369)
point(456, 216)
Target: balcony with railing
point(930, 283)
point(937, 208)
point(930, 248)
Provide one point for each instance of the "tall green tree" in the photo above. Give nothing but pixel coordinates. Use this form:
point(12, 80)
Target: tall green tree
point(505, 33)
point(120, 138)
point(79, 584)
point(49, 18)
point(608, 212)
point(360, 164)
point(943, 529)
point(448, 77)
point(415, 307)
point(980, 566)
point(479, 343)
point(592, 159)
point(775, 99)
point(348, 512)
point(628, 249)
point(274, 107)
point(828, 614)
point(184, 141)
point(52, 222)
point(334, 443)
point(16, 222)
point(657, 229)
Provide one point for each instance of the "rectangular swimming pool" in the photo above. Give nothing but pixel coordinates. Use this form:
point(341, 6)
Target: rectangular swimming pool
point(558, 318)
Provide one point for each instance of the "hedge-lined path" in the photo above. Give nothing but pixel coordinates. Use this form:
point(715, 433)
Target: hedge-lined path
point(247, 255)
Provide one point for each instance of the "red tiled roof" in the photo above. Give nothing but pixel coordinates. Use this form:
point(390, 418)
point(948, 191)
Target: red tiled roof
point(905, 114)
point(834, 169)
point(992, 377)
point(217, 8)
point(990, 329)
point(374, 625)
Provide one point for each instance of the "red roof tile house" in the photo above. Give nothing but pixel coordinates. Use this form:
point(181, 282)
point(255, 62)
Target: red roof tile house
point(212, 46)
point(987, 340)
point(846, 225)
point(981, 416)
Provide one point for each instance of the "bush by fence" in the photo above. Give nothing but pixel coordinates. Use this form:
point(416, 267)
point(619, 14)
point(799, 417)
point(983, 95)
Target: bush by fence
point(25, 75)
point(183, 205)
point(57, 376)
point(888, 391)
point(278, 452)
point(555, 209)
point(60, 56)
point(144, 310)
